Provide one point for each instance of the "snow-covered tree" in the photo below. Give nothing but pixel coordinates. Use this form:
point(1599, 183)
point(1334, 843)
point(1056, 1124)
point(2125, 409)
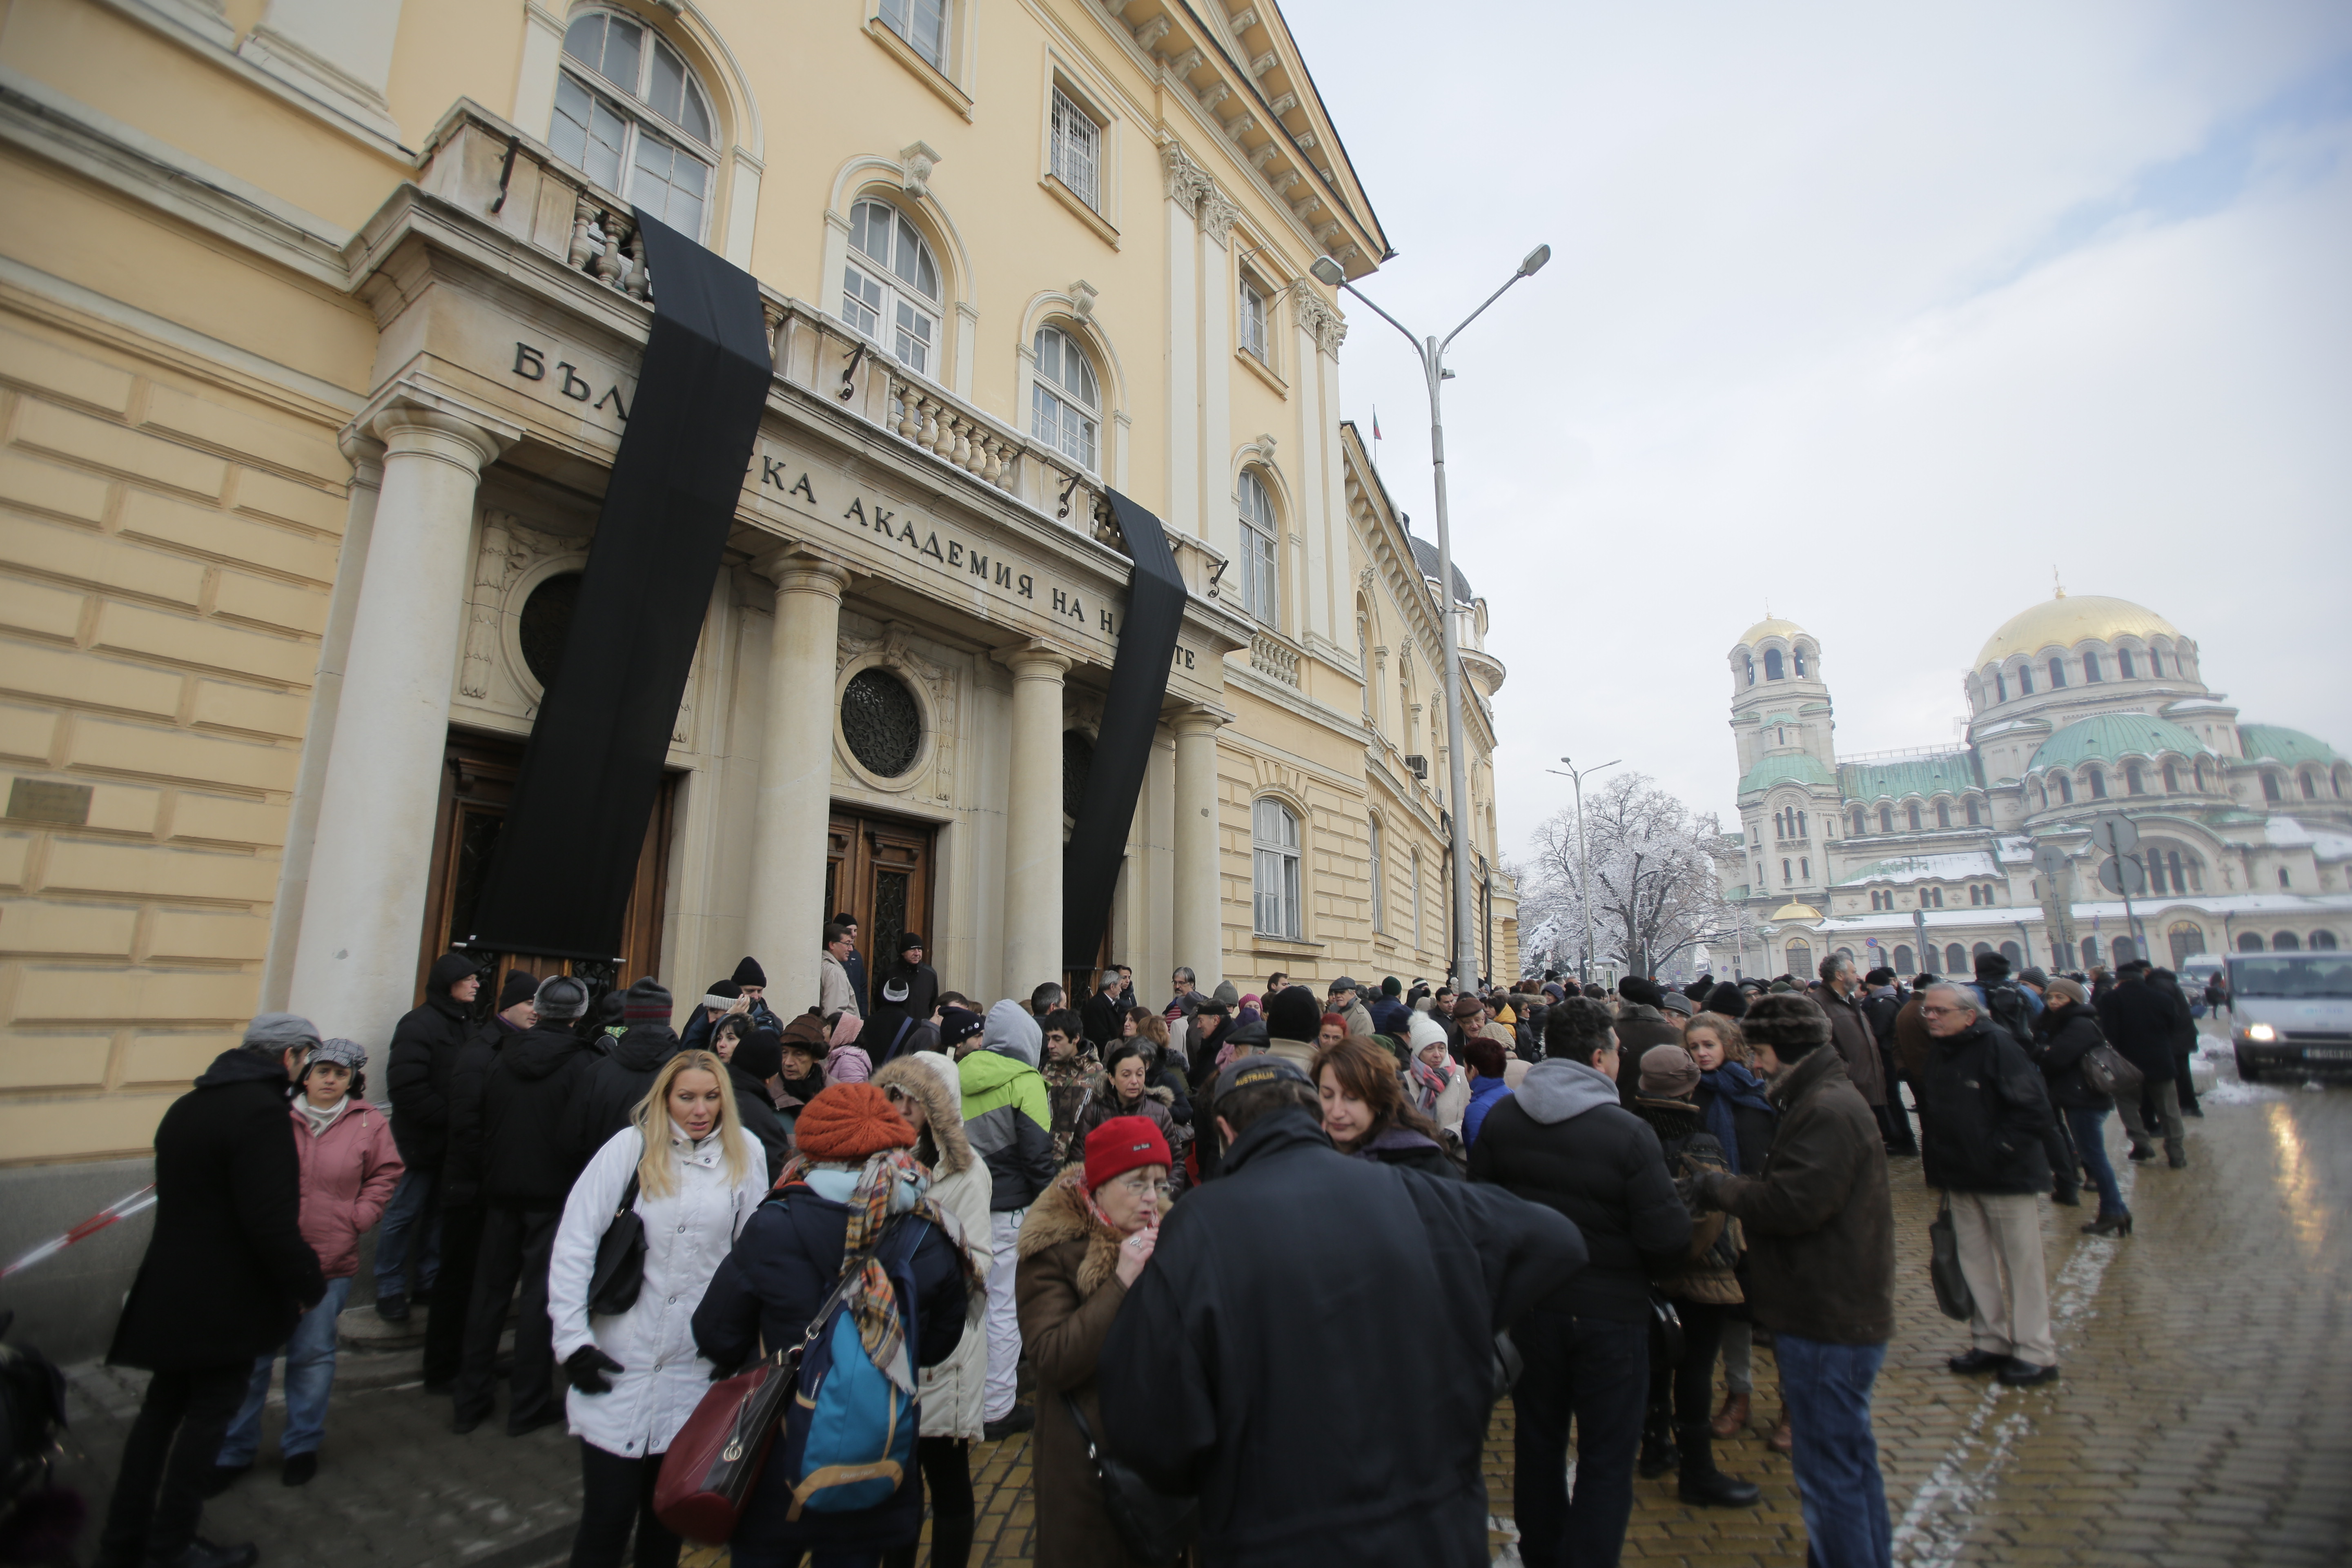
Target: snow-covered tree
point(1654, 892)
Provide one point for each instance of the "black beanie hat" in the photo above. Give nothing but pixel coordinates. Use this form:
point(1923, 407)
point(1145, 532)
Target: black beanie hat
point(521, 986)
point(1727, 999)
point(1991, 966)
point(447, 970)
point(1294, 1014)
point(647, 1002)
point(1392, 987)
point(749, 973)
point(760, 1053)
point(1634, 988)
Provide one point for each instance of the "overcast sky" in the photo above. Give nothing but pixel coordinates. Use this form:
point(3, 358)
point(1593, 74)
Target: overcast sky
point(1878, 314)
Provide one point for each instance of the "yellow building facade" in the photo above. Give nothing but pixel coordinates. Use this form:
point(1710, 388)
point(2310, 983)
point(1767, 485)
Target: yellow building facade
point(319, 322)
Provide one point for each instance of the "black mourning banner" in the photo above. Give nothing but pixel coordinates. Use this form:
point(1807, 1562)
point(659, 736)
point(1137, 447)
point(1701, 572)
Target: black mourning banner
point(1138, 680)
point(567, 854)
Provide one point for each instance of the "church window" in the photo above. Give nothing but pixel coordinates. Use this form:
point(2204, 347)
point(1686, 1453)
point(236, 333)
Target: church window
point(2285, 941)
point(2284, 880)
point(2099, 781)
point(1934, 897)
point(1772, 669)
point(629, 114)
point(2025, 680)
point(1800, 825)
point(1857, 823)
point(1943, 813)
point(1885, 819)
point(2091, 667)
point(2000, 687)
point(1912, 811)
point(1752, 668)
point(1805, 868)
point(2323, 942)
point(2065, 790)
point(1800, 657)
point(1973, 821)
point(2057, 673)
point(2271, 790)
point(2135, 781)
point(1784, 872)
point(2250, 941)
point(2124, 663)
point(2156, 664)
point(2310, 789)
point(2171, 778)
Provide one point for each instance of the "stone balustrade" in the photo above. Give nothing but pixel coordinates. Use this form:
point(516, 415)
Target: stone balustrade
point(1270, 655)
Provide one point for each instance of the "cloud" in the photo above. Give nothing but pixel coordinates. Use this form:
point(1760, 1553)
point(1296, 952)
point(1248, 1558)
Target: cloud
point(1878, 315)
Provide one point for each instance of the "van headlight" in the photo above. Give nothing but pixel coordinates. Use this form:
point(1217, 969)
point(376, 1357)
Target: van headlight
point(2262, 1033)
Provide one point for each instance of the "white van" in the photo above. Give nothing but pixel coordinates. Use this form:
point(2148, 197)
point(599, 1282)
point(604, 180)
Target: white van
point(2292, 1010)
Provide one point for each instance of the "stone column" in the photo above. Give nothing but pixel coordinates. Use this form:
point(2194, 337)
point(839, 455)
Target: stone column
point(1032, 820)
point(1199, 922)
point(355, 966)
point(784, 921)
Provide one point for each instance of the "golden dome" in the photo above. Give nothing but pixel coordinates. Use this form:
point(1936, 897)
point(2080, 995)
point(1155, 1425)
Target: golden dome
point(1795, 910)
point(2063, 621)
point(1770, 626)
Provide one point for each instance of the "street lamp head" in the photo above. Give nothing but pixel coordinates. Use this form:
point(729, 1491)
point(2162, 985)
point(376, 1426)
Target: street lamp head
point(1327, 273)
point(1534, 263)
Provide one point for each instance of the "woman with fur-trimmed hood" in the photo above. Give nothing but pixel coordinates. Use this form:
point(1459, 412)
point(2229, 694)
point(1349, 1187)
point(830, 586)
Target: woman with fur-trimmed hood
point(1085, 1242)
point(927, 1091)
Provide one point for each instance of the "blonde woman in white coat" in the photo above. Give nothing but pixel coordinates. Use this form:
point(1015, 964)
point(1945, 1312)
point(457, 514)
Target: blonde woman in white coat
point(928, 1093)
point(635, 1376)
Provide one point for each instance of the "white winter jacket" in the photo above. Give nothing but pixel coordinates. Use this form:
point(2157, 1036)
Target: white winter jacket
point(953, 1392)
point(687, 1234)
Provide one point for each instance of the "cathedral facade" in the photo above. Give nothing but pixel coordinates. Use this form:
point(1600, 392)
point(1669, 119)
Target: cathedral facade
point(2080, 708)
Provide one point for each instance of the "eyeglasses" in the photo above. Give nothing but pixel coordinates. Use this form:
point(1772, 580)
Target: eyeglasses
point(1141, 1186)
point(1938, 1012)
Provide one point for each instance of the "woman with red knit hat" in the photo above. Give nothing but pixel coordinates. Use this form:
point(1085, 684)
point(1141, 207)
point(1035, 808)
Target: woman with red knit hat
point(855, 1177)
point(1085, 1242)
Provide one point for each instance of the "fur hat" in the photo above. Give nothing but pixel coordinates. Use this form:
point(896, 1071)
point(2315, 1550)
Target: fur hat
point(647, 1002)
point(520, 985)
point(561, 999)
point(1790, 1023)
point(1669, 1072)
point(1424, 1032)
point(1727, 998)
point(807, 1033)
point(1122, 1144)
point(1640, 990)
point(1294, 1014)
point(849, 1122)
point(749, 973)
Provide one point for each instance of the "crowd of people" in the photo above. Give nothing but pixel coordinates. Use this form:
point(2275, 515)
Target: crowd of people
point(1221, 1244)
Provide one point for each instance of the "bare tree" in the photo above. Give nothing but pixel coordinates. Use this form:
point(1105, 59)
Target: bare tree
point(1654, 892)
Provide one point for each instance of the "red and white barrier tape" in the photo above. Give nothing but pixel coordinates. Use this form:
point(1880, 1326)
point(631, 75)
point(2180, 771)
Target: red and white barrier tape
point(122, 1208)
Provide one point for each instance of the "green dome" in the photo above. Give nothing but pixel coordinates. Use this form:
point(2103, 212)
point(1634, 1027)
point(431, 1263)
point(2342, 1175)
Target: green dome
point(2113, 735)
point(1947, 773)
point(1798, 767)
point(2277, 743)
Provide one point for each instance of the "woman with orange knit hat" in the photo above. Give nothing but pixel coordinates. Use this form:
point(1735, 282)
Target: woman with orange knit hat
point(855, 1177)
point(1083, 1245)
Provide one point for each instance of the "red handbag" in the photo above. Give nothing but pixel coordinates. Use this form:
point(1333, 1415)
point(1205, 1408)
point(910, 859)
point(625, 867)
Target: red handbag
point(715, 1459)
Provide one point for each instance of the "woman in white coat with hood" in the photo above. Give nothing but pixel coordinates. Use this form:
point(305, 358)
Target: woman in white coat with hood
point(927, 1092)
point(635, 1376)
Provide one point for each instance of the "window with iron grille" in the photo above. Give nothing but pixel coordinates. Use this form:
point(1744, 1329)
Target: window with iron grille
point(1078, 149)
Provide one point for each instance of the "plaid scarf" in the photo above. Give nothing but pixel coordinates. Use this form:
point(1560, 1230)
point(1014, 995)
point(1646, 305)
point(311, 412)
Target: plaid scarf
point(872, 1304)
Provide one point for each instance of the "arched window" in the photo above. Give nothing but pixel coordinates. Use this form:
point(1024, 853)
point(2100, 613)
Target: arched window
point(2125, 950)
point(2310, 789)
point(2135, 782)
point(2285, 941)
point(1800, 825)
point(2009, 949)
point(1857, 822)
point(1903, 960)
point(1943, 813)
point(1067, 404)
point(2025, 680)
point(1801, 959)
point(2000, 687)
point(1258, 534)
point(1415, 890)
point(1912, 811)
point(2199, 771)
point(2066, 789)
point(2090, 952)
point(1885, 819)
point(2057, 673)
point(1751, 667)
point(2323, 942)
point(2186, 939)
point(1800, 657)
point(630, 115)
point(923, 24)
point(1956, 959)
point(1786, 875)
point(1773, 665)
point(2250, 941)
point(2091, 667)
point(1933, 898)
point(891, 289)
point(2271, 790)
point(2155, 664)
point(1975, 818)
point(1380, 899)
point(2124, 662)
point(2098, 783)
point(1982, 947)
point(1273, 840)
point(1364, 662)
point(2171, 778)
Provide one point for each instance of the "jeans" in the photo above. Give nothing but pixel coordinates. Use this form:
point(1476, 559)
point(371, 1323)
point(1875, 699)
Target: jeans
point(159, 1492)
point(515, 1245)
point(2090, 1129)
point(411, 1220)
point(1827, 1387)
point(310, 1377)
point(616, 1492)
point(1004, 1316)
point(1597, 1372)
point(947, 1481)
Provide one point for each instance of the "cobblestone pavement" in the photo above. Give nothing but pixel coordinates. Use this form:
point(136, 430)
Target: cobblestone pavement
point(2204, 1416)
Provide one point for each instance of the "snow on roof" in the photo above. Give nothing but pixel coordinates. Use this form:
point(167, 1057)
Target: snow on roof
point(2332, 845)
point(2019, 848)
point(2285, 832)
point(1923, 869)
point(2149, 912)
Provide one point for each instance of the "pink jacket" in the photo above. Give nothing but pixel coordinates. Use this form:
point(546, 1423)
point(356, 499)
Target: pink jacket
point(348, 1176)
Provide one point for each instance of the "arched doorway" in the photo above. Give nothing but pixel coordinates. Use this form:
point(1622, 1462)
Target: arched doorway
point(2186, 939)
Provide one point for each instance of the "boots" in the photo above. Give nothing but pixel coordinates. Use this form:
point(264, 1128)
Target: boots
point(1659, 1454)
point(1782, 1440)
point(1704, 1485)
point(1732, 1419)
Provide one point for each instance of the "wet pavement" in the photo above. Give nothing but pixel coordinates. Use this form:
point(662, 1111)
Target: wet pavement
point(2203, 1416)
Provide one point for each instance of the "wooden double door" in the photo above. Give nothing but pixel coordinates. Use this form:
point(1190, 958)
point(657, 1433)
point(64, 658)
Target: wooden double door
point(478, 780)
point(877, 869)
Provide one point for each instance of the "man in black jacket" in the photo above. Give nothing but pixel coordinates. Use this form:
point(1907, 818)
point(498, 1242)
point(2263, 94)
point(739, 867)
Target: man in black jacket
point(1256, 1360)
point(2137, 1017)
point(425, 1046)
point(529, 1161)
point(1563, 1138)
point(1104, 1017)
point(612, 1083)
point(460, 1193)
point(225, 1277)
point(1984, 1118)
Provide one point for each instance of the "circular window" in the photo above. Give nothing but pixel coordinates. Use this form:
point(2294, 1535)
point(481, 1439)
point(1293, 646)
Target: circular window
point(1077, 761)
point(882, 723)
point(546, 622)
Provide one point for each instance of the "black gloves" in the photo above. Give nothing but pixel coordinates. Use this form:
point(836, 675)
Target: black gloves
point(585, 1370)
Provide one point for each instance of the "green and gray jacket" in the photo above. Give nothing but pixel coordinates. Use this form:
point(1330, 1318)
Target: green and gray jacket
point(1007, 1117)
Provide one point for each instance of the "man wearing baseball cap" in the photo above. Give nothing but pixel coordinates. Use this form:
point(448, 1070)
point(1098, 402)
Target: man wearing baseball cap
point(1217, 1378)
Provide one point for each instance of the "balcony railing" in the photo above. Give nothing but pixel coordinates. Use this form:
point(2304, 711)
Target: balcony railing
point(1270, 655)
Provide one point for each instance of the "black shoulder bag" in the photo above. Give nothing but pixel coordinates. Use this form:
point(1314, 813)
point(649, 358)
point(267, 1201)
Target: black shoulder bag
point(1152, 1525)
point(620, 1258)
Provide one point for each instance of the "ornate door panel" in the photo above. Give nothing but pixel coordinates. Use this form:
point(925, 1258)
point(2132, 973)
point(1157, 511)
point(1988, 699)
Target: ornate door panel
point(878, 868)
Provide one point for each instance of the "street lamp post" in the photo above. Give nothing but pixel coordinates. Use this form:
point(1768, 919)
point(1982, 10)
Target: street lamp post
point(1584, 861)
point(1432, 368)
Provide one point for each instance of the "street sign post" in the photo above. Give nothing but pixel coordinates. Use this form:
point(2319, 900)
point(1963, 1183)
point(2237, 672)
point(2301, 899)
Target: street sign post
point(2124, 873)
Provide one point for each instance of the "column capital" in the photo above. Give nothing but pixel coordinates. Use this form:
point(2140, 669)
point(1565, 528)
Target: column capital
point(408, 428)
point(365, 454)
point(797, 567)
point(1034, 660)
point(1199, 719)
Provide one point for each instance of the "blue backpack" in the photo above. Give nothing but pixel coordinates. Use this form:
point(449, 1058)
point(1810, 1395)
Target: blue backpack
point(848, 1437)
